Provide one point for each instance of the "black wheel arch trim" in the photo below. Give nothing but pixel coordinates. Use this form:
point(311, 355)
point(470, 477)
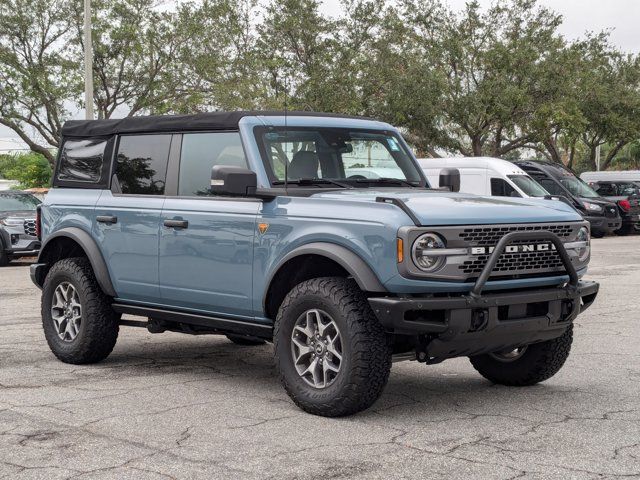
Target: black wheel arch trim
point(361, 272)
point(90, 247)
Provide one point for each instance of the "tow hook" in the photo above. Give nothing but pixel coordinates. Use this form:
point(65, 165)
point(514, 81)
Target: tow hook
point(479, 319)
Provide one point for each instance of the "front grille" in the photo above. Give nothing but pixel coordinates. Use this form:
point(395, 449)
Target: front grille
point(610, 211)
point(515, 263)
point(489, 236)
point(30, 227)
point(512, 262)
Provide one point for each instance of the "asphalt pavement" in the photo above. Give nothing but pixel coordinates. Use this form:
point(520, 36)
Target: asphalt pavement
point(179, 406)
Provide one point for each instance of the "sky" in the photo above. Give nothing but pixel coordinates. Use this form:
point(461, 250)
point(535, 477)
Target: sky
point(580, 16)
point(620, 16)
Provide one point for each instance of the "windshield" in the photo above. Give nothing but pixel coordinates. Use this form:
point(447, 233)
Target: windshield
point(578, 188)
point(336, 157)
point(11, 202)
point(528, 185)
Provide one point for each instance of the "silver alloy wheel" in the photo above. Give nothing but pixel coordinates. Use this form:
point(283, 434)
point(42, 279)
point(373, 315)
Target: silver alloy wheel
point(66, 311)
point(316, 348)
point(509, 355)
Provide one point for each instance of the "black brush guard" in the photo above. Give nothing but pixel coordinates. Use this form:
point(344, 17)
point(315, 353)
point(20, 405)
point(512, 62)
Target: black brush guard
point(478, 323)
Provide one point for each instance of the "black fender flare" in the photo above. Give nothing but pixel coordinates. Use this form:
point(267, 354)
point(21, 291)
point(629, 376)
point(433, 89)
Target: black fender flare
point(90, 247)
point(357, 268)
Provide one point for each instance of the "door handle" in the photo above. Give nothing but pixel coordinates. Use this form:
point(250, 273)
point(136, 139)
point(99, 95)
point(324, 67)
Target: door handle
point(177, 224)
point(107, 219)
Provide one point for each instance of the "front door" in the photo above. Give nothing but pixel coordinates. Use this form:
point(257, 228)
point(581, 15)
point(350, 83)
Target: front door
point(206, 243)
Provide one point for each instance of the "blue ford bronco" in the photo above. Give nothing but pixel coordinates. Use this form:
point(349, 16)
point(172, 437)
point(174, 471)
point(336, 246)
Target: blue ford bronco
point(250, 225)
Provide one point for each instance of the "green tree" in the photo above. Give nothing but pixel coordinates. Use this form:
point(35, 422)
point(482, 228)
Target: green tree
point(29, 170)
point(609, 98)
point(37, 75)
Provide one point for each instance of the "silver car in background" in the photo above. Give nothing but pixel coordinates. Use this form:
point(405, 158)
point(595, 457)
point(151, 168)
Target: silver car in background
point(18, 236)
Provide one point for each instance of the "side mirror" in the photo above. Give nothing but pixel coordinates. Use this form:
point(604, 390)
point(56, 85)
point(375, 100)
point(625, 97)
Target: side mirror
point(450, 178)
point(233, 181)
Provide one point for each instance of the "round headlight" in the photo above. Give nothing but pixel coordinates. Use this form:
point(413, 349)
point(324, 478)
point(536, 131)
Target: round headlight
point(423, 245)
point(583, 236)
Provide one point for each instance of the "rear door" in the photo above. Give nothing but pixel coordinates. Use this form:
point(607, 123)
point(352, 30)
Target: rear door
point(206, 242)
point(127, 222)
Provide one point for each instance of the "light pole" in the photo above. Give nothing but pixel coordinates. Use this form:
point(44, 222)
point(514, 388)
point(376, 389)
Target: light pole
point(88, 62)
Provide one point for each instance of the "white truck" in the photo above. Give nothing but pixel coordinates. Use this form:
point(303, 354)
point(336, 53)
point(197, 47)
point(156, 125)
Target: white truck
point(485, 176)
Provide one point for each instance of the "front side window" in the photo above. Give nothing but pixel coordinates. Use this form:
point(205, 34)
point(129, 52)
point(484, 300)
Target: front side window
point(81, 160)
point(141, 164)
point(200, 153)
point(11, 202)
point(528, 185)
point(351, 157)
point(500, 188)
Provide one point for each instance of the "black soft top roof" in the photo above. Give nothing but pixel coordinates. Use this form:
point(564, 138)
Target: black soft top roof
point(169, 123)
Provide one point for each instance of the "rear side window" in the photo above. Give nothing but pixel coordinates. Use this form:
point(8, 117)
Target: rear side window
point(549, 185)
point(141, 164)
point(81, 160)
point(200, 153)
point(605, 189)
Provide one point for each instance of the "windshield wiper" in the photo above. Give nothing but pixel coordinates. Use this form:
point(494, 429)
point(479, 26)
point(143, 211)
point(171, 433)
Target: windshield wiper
point(386, 180)
point(313, 181)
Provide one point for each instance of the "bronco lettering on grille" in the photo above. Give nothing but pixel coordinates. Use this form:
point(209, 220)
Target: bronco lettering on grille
point(539, 247)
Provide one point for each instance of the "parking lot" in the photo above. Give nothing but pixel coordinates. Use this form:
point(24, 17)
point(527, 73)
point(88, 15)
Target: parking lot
point(178, 406)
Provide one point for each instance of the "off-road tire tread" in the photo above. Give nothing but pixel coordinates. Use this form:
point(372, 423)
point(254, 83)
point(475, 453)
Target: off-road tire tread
point(370, 345)
point(101, 321)
point(540, 362)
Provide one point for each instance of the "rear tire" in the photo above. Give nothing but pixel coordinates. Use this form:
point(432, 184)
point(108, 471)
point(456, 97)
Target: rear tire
point(597, 234)
point(80, 326)
point(245, 341)
point(343, 333)
point(539, 362)
point(624, 230)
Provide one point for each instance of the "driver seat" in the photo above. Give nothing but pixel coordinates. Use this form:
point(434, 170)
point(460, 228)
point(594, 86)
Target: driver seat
point(304, 164)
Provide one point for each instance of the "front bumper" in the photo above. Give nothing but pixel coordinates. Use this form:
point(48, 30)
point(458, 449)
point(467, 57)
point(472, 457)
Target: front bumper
point(17, 243)
point(469, 325)
point(475, 323)
point(604, 224)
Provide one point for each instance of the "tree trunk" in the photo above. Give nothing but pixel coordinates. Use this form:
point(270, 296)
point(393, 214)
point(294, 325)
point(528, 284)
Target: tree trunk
point(552, 147)
point(476, 146)
point(33, 146)
point(612, 153)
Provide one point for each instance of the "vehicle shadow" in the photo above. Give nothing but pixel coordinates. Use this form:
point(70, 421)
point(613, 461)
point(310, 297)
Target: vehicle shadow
point(413, 388)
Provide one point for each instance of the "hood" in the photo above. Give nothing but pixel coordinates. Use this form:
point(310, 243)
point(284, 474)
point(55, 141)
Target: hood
point(435, 207)
point(23, 214)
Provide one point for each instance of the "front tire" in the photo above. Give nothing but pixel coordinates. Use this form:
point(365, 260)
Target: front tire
point(4, 257)
point(533, 364)
point(79, 324)
point(332, 354)
point(624, 230)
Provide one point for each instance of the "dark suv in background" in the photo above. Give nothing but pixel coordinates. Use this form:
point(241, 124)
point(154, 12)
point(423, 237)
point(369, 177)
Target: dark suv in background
point(602, 214)
point(627, 196)
point(17, 225)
